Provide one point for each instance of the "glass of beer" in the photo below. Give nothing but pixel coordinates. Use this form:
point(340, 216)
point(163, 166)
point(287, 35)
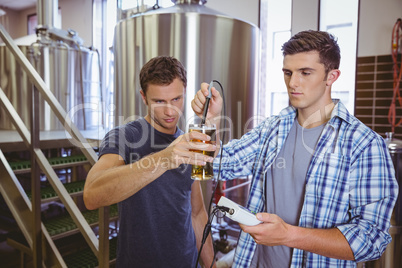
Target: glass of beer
point(203, 172)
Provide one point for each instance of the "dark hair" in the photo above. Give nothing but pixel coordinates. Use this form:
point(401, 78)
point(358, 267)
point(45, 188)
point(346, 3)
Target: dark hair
point(322, 42)
point(162, 70)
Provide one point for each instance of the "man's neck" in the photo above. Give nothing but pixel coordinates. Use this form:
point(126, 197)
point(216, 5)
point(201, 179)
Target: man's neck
point(316, 118)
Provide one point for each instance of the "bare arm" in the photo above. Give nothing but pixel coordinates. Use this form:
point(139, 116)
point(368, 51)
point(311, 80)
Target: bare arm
point(199, 219)
point(110, 180)
point(274, 231)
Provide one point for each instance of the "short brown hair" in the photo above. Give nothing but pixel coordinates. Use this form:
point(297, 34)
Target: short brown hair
point(162, 70)
point(322, 42)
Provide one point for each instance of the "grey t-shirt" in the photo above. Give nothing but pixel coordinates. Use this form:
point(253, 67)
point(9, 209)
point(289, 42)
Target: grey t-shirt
point(284, 189)
point(155, 225)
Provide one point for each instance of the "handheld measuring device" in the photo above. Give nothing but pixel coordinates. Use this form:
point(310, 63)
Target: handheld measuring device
point(237, 212)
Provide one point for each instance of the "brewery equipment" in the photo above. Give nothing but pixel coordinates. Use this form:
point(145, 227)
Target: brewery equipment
point(70, 70)
point(211, 46)
point(392, 256)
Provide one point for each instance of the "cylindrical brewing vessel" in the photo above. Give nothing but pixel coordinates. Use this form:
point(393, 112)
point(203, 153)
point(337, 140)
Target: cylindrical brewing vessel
point(392, 256)
point(72, 75)
point(211, 46)
point(395, 149)
point(70, 70)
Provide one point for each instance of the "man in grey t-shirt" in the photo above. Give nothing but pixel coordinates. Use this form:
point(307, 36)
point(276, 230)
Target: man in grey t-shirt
point(161, 209)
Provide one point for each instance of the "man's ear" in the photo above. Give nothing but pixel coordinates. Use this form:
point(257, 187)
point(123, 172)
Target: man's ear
point(144, 97)
point(333, 76)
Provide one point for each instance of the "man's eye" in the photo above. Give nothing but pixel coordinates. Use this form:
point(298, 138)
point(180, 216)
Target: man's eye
point(306, 73)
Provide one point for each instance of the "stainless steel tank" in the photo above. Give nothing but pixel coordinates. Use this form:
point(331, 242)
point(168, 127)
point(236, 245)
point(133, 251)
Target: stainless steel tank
point(392, 256)
point(70, 70)
point(211, 46)
point(72, 75)
point(395, 149)
point(14, 82)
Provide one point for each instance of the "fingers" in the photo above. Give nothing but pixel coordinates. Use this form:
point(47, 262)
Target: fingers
point(215, 93)
point(266, 217)
point(199, 99)
point(201, 142)
point(205, 89)
point(191, 148)
point(192, 157)
point(272, 232)
point(196, 135)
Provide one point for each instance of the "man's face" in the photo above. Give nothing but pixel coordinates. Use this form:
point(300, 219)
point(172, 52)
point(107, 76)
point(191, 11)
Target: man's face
point(306, 81)
point(165, 105)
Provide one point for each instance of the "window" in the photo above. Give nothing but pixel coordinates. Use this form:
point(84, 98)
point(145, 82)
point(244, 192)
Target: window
point(344, 27)
point(275, 30)
point(275, 24)
point(104, 21)
point(105, 16)
point(32, 23)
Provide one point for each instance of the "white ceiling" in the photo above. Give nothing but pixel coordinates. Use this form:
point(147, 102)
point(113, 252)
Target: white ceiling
point(17, 4)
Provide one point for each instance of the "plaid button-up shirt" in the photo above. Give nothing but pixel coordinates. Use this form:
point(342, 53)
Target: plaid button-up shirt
point(350, 184)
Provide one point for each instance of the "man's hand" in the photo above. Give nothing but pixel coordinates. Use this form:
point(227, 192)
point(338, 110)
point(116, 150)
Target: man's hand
point(185, 151)
point(272, 232)
point(215, 104)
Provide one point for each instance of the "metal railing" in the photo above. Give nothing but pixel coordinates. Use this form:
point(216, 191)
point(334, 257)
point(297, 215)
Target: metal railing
point(100, 247)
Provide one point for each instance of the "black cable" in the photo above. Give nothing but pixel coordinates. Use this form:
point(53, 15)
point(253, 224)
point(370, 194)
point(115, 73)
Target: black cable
point(207, 228)
point(213, 260)
point(223, 138)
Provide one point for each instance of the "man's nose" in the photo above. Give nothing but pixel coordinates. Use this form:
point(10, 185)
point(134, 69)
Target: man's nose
point(293, 81)
point(169, 109)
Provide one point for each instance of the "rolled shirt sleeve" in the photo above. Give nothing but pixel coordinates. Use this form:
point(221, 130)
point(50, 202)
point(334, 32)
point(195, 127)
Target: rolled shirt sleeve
point(373, 193)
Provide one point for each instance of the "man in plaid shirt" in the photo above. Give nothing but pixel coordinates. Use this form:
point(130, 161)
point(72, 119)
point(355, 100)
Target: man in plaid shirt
point(323, 183)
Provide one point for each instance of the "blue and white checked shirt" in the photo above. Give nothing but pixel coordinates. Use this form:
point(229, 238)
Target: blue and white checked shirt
point(350, 184)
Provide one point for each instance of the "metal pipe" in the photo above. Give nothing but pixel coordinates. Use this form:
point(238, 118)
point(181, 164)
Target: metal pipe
point(47, 12)
point(101, 82)
point(81, 83)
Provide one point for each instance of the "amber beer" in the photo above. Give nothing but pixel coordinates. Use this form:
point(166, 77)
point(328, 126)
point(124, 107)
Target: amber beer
point(203, 172)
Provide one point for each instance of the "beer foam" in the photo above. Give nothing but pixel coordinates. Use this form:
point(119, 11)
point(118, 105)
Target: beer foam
point(202, 128)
